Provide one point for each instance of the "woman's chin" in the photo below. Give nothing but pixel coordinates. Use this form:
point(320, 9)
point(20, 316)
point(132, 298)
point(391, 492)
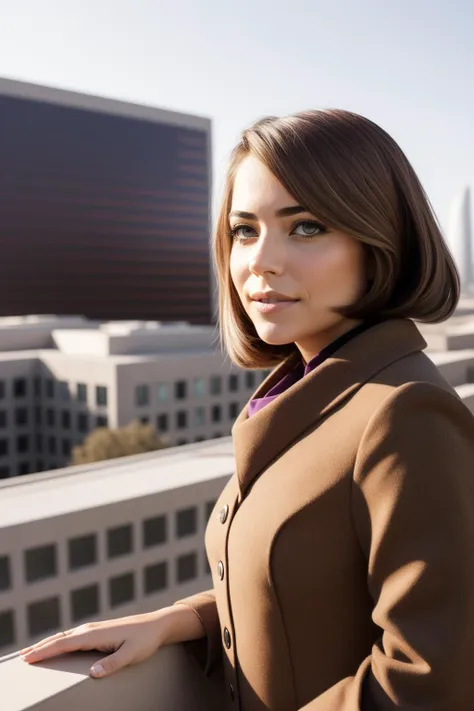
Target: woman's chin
point(275, 336)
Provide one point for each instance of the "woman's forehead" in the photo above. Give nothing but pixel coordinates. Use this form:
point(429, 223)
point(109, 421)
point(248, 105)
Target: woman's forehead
point(256, 188)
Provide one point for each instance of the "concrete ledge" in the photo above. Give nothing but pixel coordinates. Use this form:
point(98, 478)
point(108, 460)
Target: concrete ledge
point(169, 681)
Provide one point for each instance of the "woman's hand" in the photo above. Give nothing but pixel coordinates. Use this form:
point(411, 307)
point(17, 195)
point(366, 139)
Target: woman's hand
point(128, 640)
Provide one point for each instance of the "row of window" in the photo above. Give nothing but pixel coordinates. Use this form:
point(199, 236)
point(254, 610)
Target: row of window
point(24, 442)
point(50, 388)
point(51, 418)
point(199, 388)
point(45, 615)
point(41, 562)
point(182, 419)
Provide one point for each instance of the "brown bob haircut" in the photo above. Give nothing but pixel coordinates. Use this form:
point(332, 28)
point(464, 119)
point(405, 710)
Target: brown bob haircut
point(352, 176)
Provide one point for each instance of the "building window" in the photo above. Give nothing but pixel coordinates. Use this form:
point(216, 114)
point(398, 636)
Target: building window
point(66, 447)
point(181, 419)
point(216, 385)
point(199, 416)
point(83, 422)
point(162, 392)
point(186, 567)
point(84, 602)
point(39, 443)
point(37, 386)
point(186, 522)
point(39, 465)
point(81, 392)
point(50, 417)
point(38, 415)
point(209, 509)
point(250, 379)
point(66, 420)
point(199, 387)
point(119, 541)
point(5, 573)
point(4, 472)
point(23, 468)
point(162, 423)
point(233, 383)
point(154, 531)
point(50, 388)
point(101, 395)
point(181, 390)
point(3, 389)
point(102, 421)
point(142, 395)
point(7, 631)
point(155, 577)
point(216, 413)
point(64, 391)
point(3, 419)
point(121, 589)
point(19, 387)
point(145, 420)
point(180, 442)
point(22, 444)
point(21, 416)
point(82, 551)
point(52, 445)
point(233, 410)
point(43, 616)
point(40, 563)
point(3, 447)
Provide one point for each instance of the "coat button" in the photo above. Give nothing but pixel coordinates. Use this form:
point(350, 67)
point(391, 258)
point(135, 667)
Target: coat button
point(223, 514)
point(231, 692)
point(220, 570)
point(227, 638)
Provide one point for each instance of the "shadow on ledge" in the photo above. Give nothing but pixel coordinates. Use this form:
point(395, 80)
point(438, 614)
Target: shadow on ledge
point(169, 681)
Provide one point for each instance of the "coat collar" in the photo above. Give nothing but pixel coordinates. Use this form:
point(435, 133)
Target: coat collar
point(262, 438)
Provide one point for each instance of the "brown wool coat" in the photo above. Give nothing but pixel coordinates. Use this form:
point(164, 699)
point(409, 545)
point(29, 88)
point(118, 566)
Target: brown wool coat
point(345, 540)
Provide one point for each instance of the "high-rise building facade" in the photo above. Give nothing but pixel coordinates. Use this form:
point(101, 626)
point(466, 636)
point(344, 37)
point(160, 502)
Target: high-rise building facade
point(461, 238)
point(104, 208)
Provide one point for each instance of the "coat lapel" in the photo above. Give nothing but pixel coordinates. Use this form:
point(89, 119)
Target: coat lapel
point(259, 440)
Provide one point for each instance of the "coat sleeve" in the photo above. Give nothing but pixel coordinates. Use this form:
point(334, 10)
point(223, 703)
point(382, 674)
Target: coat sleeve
point(208, 650)
point(413, 513)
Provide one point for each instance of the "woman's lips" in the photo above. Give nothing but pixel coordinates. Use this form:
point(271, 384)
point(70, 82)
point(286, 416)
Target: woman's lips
point(265, 307)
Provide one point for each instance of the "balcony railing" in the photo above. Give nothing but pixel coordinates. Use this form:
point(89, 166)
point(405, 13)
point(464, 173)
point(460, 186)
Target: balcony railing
point(169, 681)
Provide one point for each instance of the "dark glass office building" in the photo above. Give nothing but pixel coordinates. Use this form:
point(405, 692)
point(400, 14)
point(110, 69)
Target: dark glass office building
point(104, 208)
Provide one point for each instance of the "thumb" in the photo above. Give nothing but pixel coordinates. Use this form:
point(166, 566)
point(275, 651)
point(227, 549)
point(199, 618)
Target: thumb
point(111, 664)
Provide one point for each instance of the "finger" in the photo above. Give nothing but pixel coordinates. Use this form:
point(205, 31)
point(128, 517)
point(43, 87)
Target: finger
point(60, 645)
point(111, 664)
point(41, 642)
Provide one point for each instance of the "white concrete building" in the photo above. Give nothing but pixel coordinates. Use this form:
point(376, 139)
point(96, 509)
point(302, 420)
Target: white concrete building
point(460, 238)
point(106, 540)
point(61, 378)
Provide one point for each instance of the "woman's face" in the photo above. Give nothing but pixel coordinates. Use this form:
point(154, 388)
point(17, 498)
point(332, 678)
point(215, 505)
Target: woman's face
point(280, 247)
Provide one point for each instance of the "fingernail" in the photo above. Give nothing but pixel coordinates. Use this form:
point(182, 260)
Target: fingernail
point(27, 655)
point(25, 650)
point(97, 670)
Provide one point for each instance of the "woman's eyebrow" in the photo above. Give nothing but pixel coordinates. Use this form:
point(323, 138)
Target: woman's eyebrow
point(282, 212)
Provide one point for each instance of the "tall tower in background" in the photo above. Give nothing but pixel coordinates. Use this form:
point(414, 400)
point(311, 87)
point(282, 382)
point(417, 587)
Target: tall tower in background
point(460, 238)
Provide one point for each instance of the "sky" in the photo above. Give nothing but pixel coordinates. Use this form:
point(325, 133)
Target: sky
point(406, 64)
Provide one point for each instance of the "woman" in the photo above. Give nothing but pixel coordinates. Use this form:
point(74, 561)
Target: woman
point(342, 548)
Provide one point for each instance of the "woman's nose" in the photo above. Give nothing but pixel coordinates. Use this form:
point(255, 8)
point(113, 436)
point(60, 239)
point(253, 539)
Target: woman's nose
point(267, 256)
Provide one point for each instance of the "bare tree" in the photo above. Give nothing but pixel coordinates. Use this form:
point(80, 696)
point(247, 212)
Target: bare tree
point(104, 443)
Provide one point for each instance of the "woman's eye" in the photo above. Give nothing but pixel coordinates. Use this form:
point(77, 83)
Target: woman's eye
point(308, 228)
point(242, 232)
